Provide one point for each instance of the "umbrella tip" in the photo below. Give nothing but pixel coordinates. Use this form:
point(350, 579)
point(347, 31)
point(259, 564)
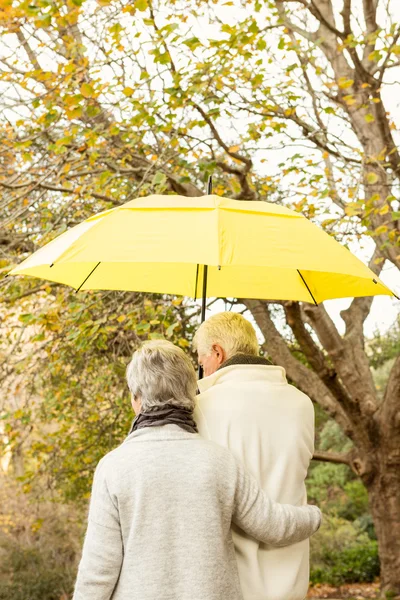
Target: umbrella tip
point(209, 186)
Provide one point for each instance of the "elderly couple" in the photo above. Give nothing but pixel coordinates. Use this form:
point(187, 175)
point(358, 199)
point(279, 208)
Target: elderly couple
point(218, 515)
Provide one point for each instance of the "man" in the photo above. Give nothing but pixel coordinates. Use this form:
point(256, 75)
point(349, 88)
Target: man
point(246, 404)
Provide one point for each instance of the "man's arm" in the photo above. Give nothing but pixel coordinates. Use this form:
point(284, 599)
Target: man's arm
point(102, 553)
point(269, 522)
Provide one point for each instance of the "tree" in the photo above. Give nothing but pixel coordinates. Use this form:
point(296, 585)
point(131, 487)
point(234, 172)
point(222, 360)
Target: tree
point(103, 102)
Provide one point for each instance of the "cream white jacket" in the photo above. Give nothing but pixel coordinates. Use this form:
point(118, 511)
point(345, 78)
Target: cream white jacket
point(269, 426)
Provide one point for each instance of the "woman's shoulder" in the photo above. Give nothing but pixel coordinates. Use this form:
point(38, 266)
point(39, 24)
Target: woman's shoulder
point(217, 453)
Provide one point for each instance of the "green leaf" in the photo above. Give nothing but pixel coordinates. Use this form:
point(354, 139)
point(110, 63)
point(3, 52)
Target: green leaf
point(372, 178)
point(375, 56)
point(141, 5)
point(159, 178)
point(26, 318)
point(171, 329)
point(192, 43)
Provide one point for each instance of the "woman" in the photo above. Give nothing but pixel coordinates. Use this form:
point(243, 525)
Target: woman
point(163, 502)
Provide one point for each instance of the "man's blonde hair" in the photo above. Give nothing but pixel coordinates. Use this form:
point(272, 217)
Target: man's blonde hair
point(229, 330)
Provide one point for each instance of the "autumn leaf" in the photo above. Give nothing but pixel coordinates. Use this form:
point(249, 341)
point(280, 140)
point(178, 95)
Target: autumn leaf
point(86, 90)
point(141, 4)
point(345, 83)
point(372, 177)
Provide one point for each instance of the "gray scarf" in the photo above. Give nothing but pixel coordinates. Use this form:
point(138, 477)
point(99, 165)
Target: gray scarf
point(245, 359)
point(168, 414)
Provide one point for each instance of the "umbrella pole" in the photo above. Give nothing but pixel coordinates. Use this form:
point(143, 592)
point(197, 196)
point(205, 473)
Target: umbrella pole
point(205, 273)
point(203, 302)
point(203, 308)
point(205, 268)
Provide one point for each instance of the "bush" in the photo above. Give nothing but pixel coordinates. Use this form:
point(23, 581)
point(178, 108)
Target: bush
point(356, 564)
point(34, 574)
point(342, 553)
point(40, 544)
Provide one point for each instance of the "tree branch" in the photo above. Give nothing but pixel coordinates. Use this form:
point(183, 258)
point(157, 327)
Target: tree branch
point(31, 55)
point(346, 14)
point(35, 290)
point(313, 353)
point(317, 13)
point(383, 67)
point(352, 366)
point(359, 309)
point(369, 10)
point(332, 457)
point(391, 400)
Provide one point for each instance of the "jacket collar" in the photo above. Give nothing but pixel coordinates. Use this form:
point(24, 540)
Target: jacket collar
point(269, 374)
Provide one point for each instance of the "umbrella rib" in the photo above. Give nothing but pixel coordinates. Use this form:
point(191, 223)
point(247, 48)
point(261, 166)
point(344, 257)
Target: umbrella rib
point(197, 279)
point(305, 283)
point(85, 280)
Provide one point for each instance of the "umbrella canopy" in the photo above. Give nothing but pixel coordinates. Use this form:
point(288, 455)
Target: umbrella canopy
point(163, 243)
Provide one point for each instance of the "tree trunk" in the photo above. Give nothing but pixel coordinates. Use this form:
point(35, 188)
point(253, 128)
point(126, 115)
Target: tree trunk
point(384, 500)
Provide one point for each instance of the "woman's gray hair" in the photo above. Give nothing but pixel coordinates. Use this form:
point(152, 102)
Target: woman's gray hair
point(229, 330)
point(161, 373)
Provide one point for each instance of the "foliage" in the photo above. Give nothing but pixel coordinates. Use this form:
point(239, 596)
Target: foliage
point(342, 553)
point(356, 564)
point(79, 406)
point(384, 346)
point(34, 574)
point(40, 543)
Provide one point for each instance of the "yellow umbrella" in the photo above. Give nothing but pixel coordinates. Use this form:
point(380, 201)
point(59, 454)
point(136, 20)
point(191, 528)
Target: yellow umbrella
point(166, 244)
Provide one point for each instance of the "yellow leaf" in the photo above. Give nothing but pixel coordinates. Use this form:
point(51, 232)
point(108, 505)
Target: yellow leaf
point(372, 178)
point(121, 318)
point(141, 4)
point(352, 209)
point(234, 149)
point(381, 229)
point(86, 90)
point(345, 83)
point(128, 91)
point(75, 113)
point(384, 210)
point(349, 99)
